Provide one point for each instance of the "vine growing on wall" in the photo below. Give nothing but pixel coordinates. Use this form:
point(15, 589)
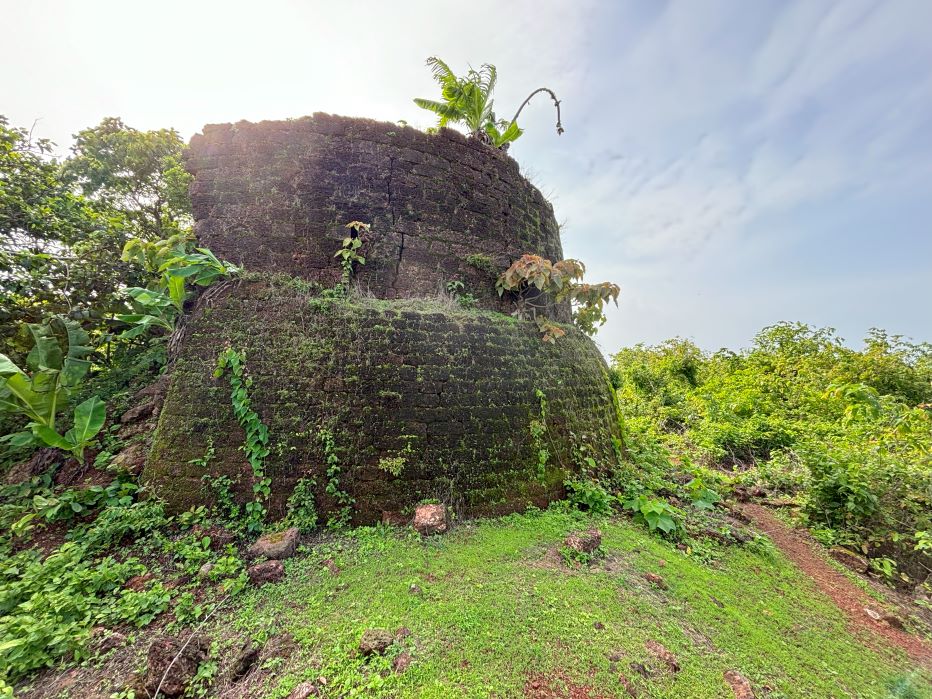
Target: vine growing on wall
point(333, 489)
point(256, 445)
point(538, 430)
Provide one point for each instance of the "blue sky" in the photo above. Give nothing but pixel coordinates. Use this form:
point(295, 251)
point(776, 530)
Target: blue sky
point(729, 164)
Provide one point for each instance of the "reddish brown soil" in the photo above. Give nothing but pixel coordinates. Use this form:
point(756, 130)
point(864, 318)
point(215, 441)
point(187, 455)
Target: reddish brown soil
point(848, 597)
point(72, 474)
point(46, 539)
point(557, 686)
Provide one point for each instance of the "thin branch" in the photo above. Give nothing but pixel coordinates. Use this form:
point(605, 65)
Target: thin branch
point(556, 103)
point(190, 638)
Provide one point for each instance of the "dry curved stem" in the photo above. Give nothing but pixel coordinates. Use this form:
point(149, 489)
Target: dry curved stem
point(556, 103)
point(186, 643)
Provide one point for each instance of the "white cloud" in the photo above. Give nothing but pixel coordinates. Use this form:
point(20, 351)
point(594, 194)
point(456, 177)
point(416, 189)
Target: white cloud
point(778, 127)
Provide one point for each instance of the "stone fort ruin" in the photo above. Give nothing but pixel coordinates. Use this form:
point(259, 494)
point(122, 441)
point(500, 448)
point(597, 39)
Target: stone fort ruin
point(424, 399)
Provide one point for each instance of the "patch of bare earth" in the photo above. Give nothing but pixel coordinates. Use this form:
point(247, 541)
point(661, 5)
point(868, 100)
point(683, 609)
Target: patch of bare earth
point(558, 686)
point(853, 601)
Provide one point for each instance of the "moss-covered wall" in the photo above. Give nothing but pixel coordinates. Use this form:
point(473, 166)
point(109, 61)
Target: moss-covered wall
point(276, 195)
point(459, 387)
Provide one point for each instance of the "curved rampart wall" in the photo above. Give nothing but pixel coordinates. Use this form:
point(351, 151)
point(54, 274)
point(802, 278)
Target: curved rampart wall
point(451, 393)
point(276, 195)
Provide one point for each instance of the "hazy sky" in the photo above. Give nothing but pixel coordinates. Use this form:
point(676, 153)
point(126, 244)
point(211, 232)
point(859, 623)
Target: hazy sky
point(729, 164)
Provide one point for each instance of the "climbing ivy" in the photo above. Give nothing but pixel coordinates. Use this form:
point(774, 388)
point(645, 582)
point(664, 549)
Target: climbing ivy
point(346, 502)
point(538, 430)
point(256, 445)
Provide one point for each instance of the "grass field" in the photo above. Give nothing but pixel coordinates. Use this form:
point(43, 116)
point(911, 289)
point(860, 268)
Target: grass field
point(494, 611)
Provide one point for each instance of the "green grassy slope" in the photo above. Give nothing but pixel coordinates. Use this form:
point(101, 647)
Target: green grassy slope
point(494, 603)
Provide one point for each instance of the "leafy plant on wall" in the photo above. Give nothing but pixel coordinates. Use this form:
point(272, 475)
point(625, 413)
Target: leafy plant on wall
point(256, 444)
point(349, 254)
point(468, 101)
point(174, 267)
point(535, 283)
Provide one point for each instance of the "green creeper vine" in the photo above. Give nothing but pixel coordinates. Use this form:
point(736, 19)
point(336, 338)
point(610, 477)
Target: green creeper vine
point(538, 429)
point(325, 435)
point(256, 445)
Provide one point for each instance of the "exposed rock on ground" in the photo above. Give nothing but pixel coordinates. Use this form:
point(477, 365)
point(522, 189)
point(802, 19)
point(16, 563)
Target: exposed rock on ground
point(891, 620)
point(139, 412)
point(849, 559)
point(105, 640)
point(38, 463)
point(171, 664)
point(401, 662)
point(628, 685)
point(739, 685)
point(660, 652)
point(248, 656)
point(266, 572)
point(395, 519)
point(132, 459)
point(655, 579)
point(304, 690)
point(375, 641)
point(276, 545)
point(430, 519)
point(558, 686)
point(219, 536)
point(584, 542)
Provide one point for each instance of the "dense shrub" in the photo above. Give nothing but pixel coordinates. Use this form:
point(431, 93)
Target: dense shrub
point(847, 432)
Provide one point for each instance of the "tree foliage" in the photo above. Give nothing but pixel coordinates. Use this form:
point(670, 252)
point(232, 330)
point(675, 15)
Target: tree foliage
point(63, 224)
point(847, 433)
point(56, 247)
point(138, 173)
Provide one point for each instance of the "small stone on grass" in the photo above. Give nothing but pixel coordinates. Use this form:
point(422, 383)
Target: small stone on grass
point(584, 542)
point(266, 572)
point(375, 641)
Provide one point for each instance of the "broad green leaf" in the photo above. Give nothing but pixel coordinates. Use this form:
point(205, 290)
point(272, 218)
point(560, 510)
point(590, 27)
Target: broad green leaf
point(89, 417)
point(7, 367)
point(26, 400)
point(78, 339)
point(176, 291)
point(51, 437)
point(188, 271)
point(46, 352)
point(149, 297)
point(19, 439)
point(73, 371)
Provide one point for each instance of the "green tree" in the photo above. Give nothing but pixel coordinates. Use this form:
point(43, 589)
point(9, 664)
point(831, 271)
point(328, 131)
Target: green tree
point(137, 173)
point(59, 252)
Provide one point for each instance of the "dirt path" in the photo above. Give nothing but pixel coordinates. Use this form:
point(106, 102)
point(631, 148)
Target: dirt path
point(849, 598)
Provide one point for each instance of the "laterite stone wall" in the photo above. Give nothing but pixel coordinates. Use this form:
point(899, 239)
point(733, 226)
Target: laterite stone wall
point(453, 392)
point(425, 399)
point(276, 195)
